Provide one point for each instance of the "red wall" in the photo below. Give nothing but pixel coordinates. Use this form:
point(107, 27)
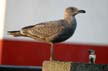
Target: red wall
point(1, 44)
point(33, 53)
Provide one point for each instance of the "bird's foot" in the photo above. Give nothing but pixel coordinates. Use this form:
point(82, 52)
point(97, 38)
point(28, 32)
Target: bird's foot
point(55, 60)
point(51, 59)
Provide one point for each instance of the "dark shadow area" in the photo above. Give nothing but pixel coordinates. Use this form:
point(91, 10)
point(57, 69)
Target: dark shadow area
point(19, 68)
point(89, 67)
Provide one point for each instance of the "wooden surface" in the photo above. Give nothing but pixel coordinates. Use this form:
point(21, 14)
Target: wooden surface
point(70, 66)
point(56, 66)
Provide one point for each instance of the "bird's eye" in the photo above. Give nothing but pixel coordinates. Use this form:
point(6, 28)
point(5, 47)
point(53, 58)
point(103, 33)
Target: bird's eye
point(72, 9)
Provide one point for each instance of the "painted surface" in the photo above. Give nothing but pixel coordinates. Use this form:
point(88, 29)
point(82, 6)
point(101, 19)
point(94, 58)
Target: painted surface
point(2, 17)
point(1, 46)
point(33, 53)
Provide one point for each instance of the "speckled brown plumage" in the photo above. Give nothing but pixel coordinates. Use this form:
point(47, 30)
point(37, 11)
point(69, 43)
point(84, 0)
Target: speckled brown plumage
point(45, 31)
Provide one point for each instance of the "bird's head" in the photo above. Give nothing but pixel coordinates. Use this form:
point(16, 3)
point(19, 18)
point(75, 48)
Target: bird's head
point(72, 11)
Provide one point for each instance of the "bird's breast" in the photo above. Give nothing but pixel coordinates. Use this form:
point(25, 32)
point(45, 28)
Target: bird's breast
point(66, 33)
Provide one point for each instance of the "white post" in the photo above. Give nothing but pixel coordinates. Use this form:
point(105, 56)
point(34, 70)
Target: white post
point(2, 16)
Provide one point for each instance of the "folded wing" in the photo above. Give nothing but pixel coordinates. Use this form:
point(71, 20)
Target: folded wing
point(47, 30)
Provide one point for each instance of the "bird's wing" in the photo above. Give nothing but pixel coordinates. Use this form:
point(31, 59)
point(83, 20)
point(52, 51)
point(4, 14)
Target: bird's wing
point(45, 30)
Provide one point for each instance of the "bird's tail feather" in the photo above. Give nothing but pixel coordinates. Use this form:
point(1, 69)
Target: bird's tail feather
point(15, 33)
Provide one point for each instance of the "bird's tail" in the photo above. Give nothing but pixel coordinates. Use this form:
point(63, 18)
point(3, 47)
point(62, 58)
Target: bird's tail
point(14, 33)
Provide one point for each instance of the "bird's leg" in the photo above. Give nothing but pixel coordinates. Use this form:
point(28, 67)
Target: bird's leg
point(52, 52)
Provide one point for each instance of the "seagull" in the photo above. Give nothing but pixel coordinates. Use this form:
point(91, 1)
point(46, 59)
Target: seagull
point(52, 31)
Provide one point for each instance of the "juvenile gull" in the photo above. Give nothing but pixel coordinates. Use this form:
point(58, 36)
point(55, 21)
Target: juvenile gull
point(52, 31)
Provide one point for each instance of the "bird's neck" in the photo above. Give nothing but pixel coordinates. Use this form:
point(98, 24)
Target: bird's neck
point(69, 19)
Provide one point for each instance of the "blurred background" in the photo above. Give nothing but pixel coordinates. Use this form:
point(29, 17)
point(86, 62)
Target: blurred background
point(91, 32)
point(92, 27)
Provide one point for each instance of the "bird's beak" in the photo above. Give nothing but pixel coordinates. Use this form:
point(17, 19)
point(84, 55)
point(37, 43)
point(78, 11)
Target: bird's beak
point(81, 11)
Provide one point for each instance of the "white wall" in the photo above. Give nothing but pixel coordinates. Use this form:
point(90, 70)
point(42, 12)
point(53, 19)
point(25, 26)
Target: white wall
point(2, 16)
point(92, 26)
